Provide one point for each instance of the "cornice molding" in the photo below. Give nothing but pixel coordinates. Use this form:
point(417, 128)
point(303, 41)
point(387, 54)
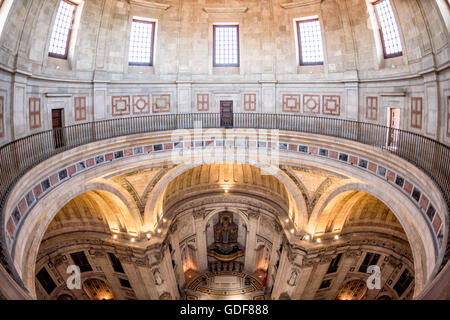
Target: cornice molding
point(298, 4)
point(225, 10)
point(150, 4)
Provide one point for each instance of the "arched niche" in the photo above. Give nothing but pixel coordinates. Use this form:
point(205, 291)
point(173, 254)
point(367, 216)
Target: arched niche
point(97, 289)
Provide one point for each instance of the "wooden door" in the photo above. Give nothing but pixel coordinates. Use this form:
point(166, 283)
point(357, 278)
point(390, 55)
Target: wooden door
point(57, 126)
point(394, 125)
point(226, 114)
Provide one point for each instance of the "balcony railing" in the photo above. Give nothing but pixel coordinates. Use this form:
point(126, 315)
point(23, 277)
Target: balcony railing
point(21, 155)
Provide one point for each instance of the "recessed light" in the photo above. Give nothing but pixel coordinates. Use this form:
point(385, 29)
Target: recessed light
point(336, 237)
point(164, 220)
point(286, 220)
point(148, 235)
point(307, 237)
point(114, 236)
point(132, 239)
point(318, 240)
point(159, 230)
point(292, 230)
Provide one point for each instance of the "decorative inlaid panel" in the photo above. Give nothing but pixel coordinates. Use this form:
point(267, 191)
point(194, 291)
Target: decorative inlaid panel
point(34, 113)
point(79, 104)
point(2, 113)
point(416, 112)
point(141, 104)
point(161, 103)
point(120, 105)
point(202, 102)
point(311, 104)
point(331, 105)
point(372, 108)
point(35, 193)
point(250, 102)
point(291, 103)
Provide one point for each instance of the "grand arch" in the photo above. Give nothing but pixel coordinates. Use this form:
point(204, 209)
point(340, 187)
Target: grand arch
point(426, 251)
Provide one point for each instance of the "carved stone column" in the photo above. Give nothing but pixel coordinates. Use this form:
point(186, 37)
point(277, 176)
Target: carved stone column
point(317, 277)
point(348, 260)
point(274, 257)
point(176, 254)
point(202, 250)
point(250, 254)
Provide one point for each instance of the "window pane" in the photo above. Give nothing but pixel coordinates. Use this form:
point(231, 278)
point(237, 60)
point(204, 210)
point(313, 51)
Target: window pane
point(46, 280)
point(80, 259)
point(61, 29)
point(226, 46)
point(141, 43)
point(403, 282)
point(310, 40)
point(117, 266)
point(389, 29)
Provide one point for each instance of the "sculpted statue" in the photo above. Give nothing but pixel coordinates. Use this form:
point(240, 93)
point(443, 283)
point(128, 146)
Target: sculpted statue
point(293, 278)
point(157, 276)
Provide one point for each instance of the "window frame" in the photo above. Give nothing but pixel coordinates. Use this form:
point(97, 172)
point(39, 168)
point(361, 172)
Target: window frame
point(299, 42)
point(85, 266)
point(403, 282)
point(46, 281)
point(152, 45)
point(238, 64)
point(334, 264)
point(115, 263)
point(371, 258)
point(325, 284)
point(69, 35)
point(380, 29)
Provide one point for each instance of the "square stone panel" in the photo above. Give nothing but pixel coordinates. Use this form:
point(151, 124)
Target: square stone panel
point(311, 104)
point(331, 105)
point(141, 104)
point(120, 105)
point(161, 103)
point(291, 103)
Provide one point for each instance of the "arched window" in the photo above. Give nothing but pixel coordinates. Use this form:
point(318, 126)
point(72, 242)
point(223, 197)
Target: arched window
point(142, 40)
point(5, 6)
point(226, 45)
point(309, 36)
point(62, 30)
point(390, 35)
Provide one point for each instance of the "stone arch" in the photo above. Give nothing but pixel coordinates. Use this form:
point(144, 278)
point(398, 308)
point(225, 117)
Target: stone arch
point(26, 255)
point(421, 243)
point(154, 205)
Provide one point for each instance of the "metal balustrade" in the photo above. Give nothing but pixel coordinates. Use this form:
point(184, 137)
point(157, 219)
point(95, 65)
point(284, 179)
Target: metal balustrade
point(19, 156)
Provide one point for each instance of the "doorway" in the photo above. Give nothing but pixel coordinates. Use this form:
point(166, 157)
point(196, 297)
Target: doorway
point(57, 126)
point(394, 126)
point(226, 114)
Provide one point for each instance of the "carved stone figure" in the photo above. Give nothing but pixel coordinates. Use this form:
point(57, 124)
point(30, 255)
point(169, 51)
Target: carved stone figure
point(293, 278)
point(157, 276)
